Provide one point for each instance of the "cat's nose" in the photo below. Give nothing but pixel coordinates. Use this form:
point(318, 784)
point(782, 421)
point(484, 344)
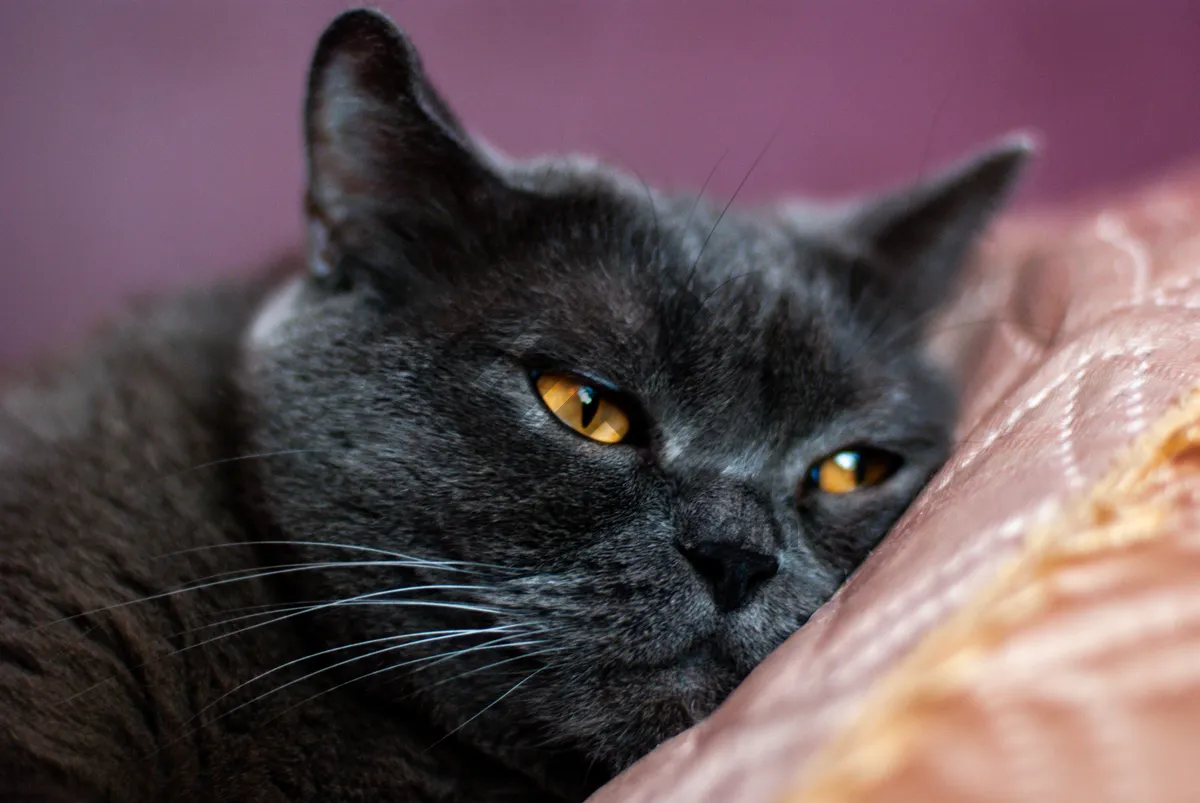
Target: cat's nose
point(733, 572)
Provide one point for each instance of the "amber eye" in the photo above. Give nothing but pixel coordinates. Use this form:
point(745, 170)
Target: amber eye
point(583, 407)
point(852, 470)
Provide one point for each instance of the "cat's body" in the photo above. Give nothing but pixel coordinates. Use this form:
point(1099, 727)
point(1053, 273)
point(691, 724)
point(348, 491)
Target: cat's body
point(127, 470)
point(455, 596)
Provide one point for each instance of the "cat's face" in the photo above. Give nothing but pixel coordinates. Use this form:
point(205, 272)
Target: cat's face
point(634, 441)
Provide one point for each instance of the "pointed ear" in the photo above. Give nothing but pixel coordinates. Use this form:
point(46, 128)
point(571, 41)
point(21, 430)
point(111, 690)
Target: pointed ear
point(395, 185)
point(912, 243)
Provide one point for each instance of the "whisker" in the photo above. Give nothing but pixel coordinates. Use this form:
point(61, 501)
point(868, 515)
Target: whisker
point(256, 456)
point(263, 696)
point(185, 589)
point(653, 206)
point(267, 609)
point(356, 600)
point(469, 672)
point(493, 644)
point(518, 685)
point(539, 632)
point(496, 643)
point(251, 573)
point(729, 203)
point(277, 607)
point(700, 195)
point(704, 301)
point(414, 603)
point(423, 638)
point(373, 550)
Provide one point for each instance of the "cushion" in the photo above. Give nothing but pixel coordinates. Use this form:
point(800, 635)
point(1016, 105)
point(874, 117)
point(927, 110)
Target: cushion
point(1030, 630)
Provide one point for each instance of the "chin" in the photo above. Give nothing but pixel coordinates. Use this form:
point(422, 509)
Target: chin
point(645, 711)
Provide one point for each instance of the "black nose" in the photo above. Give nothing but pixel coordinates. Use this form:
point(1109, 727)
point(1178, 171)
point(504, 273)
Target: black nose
point(734, 572)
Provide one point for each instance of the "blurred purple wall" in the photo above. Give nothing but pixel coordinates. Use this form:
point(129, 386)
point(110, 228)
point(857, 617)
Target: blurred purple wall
point(148, 144)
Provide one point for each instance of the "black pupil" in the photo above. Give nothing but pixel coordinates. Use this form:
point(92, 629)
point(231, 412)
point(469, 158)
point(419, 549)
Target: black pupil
point(860, 468)
point(589, 405)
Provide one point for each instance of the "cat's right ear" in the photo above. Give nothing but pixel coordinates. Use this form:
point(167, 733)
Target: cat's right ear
point(396, 188)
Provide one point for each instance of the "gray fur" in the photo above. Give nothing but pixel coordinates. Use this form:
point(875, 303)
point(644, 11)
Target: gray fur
point(389, 393)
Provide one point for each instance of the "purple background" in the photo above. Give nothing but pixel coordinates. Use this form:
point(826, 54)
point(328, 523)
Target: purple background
point(145, 145)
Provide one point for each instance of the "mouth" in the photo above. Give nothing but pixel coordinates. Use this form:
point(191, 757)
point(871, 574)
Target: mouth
point(703, 662)
point(685, 687)
point(693, 668)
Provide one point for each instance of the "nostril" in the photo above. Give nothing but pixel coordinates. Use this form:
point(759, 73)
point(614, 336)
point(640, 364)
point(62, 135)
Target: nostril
point(767, 566)
point(710, 567)
point(733, 572)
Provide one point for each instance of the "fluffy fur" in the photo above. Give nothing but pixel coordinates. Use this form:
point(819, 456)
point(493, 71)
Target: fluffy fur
point(405, 578)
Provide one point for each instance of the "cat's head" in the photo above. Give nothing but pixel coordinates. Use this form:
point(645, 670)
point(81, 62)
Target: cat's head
point(632, 438)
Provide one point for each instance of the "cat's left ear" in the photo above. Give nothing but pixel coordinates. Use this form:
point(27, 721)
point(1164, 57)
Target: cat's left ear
point(398, 192)
point(911, 244)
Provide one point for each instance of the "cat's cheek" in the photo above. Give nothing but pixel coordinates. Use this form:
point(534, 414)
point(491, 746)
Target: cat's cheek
point(839, 532)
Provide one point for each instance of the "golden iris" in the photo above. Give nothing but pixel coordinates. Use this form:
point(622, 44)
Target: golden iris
point(583, 407)
point(853, 469)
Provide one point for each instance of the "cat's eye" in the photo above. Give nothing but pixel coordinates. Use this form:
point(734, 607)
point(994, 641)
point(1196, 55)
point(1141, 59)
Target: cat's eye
point(852, 469)
point(585, 408)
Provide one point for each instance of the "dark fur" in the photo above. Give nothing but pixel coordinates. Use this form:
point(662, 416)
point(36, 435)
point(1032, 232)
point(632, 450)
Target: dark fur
point(393, 410)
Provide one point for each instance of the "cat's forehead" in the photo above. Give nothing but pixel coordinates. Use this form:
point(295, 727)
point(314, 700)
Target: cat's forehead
point(719, 321)
point(706, 332)
point(619, 269)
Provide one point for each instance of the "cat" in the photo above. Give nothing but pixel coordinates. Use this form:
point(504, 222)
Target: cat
point(518, 472)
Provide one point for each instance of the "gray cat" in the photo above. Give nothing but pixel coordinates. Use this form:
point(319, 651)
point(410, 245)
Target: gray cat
point(526, 471)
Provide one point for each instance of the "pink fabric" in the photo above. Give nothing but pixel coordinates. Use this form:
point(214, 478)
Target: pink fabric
point(144, 145)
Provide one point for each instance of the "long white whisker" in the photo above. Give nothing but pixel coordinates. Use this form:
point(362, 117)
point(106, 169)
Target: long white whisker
point(452, 655)
point(542, 631)
point(519, 684)
point(271, 608)
point(421, 639)
point(424, 603)
point(245, 457)
point(284, 607)
point(356, 600)
point(461, 675)
point(353, 547)
point(254, 572)
point(493, 644)
point(353, 659)
point(185, 589)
